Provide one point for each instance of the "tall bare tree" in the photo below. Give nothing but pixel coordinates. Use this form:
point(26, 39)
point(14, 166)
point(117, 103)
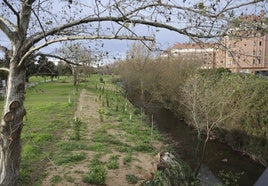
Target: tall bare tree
point(80, 57)
point(30, 25)
point(209, 102)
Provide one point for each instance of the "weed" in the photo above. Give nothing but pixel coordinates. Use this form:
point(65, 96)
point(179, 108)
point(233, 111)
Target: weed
point(98, 147)
point(96, 161)
point(144, 147)
point(70, 158)
point(127, 159)
point(96, 175)
point(131, 179)
point(113, 162)
point(56, 179)
point(229, 177)
point(123, 147)
point(101, 112)
point(69, 179)
point(24, 176)
point(77, 128)
point(72, 145)
point(42, 137)
point(30, 152)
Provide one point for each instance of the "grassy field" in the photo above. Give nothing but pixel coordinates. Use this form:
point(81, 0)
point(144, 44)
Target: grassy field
point(50, 107)
point(107, 139)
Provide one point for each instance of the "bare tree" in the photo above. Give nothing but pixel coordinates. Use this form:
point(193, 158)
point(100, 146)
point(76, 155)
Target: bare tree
point(78, 56)
point(138, 57)
point(30, 25)
point(210, 101)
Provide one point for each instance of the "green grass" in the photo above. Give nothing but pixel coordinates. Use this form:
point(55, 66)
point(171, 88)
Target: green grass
point(99, 147)
point(68, 146)
point(49, 114)
point(70, 158)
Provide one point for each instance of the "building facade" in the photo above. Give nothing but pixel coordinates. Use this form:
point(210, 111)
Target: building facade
point(203, 53)
point(243, 49)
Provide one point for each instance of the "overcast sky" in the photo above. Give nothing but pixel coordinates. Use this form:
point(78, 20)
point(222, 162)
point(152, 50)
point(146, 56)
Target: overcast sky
point(118, 48)
point(115, 48)
point(164, 40)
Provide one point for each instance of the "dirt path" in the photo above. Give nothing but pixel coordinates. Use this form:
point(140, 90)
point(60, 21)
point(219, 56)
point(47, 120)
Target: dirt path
point(142, 166)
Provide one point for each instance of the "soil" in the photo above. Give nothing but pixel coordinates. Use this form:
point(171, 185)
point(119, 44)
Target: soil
point(142, 166)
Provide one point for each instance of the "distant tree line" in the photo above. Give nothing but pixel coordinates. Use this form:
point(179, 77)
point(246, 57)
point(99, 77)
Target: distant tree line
point(40, 66)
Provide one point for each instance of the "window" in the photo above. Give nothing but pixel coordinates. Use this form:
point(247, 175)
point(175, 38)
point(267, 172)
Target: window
point(259, 61)
point(254, 61)
point(259, 52)
point(254, 52)
point(260, 43)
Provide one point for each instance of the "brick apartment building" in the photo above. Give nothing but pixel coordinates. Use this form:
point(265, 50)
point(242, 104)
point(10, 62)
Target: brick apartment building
point(243, 49)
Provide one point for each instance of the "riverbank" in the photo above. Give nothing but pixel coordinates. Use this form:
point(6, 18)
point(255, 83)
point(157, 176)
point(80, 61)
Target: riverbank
point(225, 163)
point(231, 107)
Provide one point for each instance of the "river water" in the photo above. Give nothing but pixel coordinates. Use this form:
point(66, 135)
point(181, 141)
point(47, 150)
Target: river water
point(219, 157)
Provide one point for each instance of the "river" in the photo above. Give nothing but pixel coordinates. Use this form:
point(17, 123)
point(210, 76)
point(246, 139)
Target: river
point(219, 157)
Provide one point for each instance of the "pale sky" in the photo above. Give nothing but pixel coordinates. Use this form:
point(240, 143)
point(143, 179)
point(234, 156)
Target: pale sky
point(118, 48)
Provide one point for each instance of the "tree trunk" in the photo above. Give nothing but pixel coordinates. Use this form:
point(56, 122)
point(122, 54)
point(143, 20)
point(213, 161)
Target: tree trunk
point(11, 127)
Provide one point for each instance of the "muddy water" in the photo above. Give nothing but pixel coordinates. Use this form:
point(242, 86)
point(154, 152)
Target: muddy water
point(219, 157)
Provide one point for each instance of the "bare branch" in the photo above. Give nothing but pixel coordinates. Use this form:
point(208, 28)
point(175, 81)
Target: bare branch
point(4, 69)
point(8, 28)
point(13, 10)
point(70, 38)
point(123, 26)
point(41, 26)
point(58, 57)
point(242, 5)
point(4, 49)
